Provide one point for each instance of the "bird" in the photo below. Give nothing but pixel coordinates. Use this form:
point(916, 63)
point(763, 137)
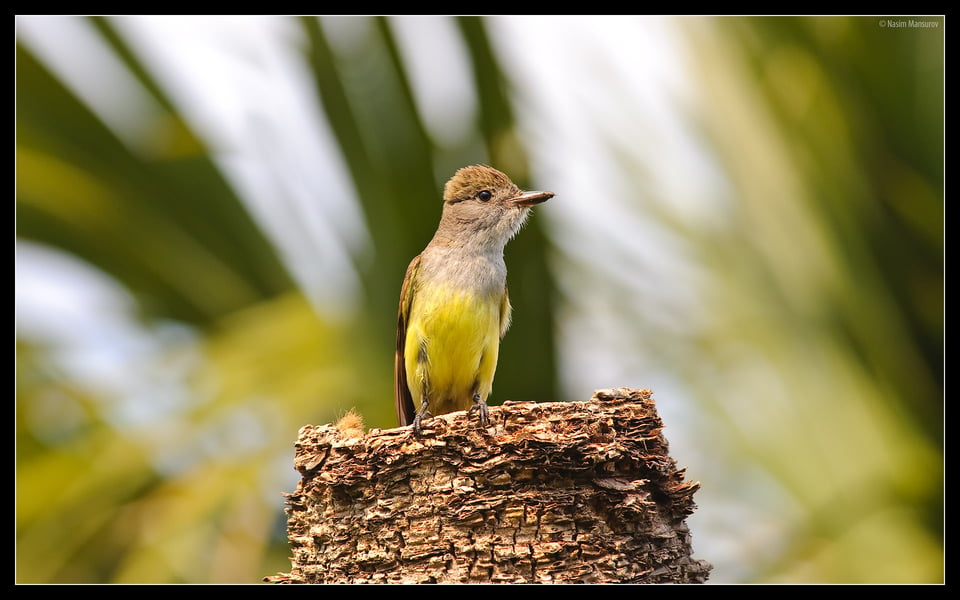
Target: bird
point(454, 304)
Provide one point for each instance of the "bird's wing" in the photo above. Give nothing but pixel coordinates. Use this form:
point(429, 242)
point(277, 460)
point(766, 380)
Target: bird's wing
point(401, 391)
point(506, 312)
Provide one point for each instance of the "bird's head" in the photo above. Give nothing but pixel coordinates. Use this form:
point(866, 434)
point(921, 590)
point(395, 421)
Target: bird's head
point(482, 206)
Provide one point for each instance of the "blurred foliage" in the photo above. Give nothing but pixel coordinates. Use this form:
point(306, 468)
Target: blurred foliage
point(817, 361)
point(81, 189)
point(168, 227)
point(877, 190)
point(830, 275)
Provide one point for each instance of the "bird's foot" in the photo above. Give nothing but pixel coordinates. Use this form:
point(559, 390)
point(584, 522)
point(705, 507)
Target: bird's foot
point(480, 406)
point(418, 418)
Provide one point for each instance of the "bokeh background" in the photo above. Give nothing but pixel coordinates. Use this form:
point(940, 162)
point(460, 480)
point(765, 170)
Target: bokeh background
point(214, 215)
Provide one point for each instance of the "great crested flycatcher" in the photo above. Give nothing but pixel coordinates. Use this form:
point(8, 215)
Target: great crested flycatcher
point(454, 308)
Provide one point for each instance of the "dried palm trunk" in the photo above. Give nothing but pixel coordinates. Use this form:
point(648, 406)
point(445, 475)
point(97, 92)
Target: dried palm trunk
point(562, 492)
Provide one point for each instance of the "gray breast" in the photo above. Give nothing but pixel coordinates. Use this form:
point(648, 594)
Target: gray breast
point(465, 270)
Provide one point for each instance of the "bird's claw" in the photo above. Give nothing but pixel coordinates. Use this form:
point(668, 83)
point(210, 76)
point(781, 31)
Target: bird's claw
point(418, 418)
point(481, 407)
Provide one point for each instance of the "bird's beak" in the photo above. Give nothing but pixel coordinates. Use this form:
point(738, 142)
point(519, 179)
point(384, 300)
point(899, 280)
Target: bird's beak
point(530, 198)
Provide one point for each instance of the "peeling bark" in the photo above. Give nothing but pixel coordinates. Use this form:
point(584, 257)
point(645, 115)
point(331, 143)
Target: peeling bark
point(561, 492)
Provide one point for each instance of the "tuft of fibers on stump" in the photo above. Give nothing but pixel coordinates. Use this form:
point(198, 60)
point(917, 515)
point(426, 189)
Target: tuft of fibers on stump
point(558, 492)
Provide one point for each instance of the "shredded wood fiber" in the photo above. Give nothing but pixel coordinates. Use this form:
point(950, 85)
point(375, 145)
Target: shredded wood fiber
point(560, 492)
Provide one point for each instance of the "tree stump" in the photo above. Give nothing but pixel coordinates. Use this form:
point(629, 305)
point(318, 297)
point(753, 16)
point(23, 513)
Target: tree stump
point(559, 492)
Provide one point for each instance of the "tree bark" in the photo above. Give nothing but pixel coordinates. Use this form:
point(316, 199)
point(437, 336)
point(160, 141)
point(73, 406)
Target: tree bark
point(560, 492)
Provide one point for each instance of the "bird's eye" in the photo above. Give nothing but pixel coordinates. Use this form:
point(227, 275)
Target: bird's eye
point(484, 196)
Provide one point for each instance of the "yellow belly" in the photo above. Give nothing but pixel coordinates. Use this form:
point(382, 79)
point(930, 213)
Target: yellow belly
point(453, 339)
